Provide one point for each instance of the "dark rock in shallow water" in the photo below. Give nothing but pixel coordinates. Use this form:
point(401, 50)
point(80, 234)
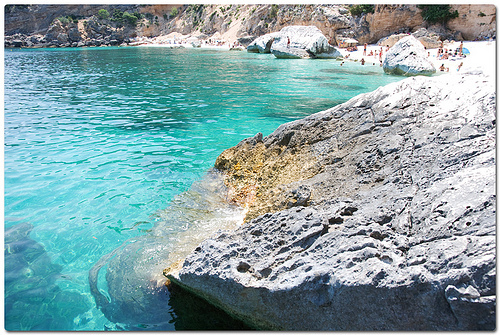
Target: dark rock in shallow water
point(399, 232)
point(33, 299)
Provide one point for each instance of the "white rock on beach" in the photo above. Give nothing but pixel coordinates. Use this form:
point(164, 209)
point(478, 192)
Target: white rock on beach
point(305, 42)
point(408, 57)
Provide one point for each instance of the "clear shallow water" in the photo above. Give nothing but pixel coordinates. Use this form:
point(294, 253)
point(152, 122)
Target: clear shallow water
point(102, 147)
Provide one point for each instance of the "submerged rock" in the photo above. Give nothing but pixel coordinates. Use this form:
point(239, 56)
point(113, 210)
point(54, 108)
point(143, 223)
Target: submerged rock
point(393, 224)
point(408, 57)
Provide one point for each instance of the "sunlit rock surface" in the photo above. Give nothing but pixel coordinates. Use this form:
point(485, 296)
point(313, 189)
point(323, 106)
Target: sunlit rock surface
point(380, 216)
point(295, 42)
point(263, 43)
point(408, 57)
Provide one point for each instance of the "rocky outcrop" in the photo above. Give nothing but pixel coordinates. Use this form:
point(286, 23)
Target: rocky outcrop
point(302, 42)
point(295, 42)
point(382, 216)
point(247, 22)
point(474, 22)
point(263, 43)
point(387, 20)
point(429, 40)
point(408, 57)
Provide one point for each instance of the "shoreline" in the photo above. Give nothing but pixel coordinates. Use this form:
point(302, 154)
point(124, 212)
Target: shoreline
point(482, 57)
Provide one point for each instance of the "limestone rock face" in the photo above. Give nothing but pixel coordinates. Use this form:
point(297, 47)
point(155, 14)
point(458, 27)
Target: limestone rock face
point(386, 20)
point(305, 42)
point(384, 221)
point(474, 21)
point(408, 57)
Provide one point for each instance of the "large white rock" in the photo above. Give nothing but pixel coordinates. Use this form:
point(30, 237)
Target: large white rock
point(305, 42)
point(399, 232)
point(408, 57)
point(263, 43)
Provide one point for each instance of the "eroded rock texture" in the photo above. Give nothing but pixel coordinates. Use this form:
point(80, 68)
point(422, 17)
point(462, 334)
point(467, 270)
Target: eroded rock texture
point(378, 214)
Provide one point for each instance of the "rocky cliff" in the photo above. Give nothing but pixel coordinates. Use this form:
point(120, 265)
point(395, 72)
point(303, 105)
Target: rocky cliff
point(377, 214)
point(242, 22)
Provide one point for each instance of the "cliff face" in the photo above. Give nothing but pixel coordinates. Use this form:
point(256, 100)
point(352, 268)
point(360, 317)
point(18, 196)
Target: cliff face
point(36, 19)
point(246, 22)
point(389, 19)
point(474, 21)
point(378, 214)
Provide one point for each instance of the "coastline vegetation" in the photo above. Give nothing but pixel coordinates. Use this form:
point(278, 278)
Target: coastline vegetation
point(437, 13)
point(357, 10)
point(68, 19)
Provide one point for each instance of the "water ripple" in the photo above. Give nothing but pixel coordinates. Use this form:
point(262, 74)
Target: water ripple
point(99, 141)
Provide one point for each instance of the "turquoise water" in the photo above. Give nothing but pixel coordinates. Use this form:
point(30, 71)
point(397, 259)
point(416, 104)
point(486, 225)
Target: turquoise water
point(108, 155)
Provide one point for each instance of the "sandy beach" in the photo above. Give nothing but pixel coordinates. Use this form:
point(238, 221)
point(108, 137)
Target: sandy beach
point(482, 57)
point(482, 53)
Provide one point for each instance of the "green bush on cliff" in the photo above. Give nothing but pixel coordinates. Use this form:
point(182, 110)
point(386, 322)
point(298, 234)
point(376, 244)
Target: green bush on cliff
point(63, 19)
point(130, 18)
point(126, 17)
point(274, 12)
point(103, 14)
point(361, 9)
point(437, 13)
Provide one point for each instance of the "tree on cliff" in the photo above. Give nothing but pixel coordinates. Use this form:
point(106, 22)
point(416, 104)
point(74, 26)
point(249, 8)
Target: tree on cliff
point(437, 13)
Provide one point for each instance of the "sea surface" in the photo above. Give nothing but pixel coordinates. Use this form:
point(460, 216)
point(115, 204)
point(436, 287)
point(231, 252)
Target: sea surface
point(108, 178)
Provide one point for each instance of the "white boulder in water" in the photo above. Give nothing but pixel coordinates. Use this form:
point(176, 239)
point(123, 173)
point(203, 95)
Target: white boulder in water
point(262, 44)
point(408, 57)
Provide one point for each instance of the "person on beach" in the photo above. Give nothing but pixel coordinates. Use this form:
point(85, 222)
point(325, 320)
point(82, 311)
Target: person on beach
point(460, 66)
point(461, 48)
point(288, 44)
point(364, 50)
point(362, 61)
point(442, 68)
point(380, 54)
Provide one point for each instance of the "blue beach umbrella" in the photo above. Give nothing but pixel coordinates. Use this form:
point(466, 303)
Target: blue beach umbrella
point(465, 51)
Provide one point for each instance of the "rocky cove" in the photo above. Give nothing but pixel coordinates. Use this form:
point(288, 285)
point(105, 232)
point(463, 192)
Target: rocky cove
point(108, 25)
point(377, 214)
